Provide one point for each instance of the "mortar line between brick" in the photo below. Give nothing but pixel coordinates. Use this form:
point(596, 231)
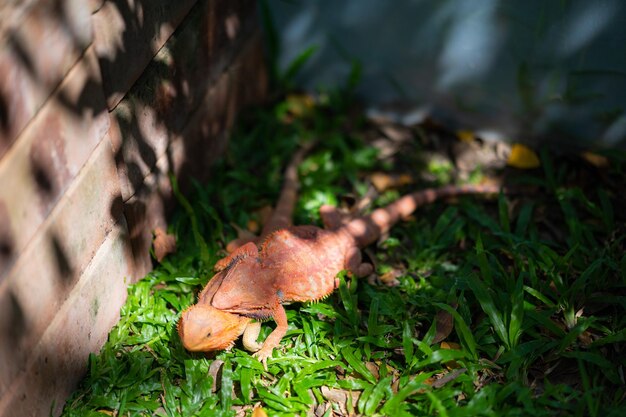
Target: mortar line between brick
point(49, 220)
point(7, 395)
point(49, 98)
point(245, 42)
point(155, 53)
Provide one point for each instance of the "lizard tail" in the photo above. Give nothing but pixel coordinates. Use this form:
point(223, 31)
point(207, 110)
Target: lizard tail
point(283, 211)
point(366, 230)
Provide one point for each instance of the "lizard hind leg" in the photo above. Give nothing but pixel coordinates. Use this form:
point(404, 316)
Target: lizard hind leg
point(331, 218)
point(250, 335)
point(355, 264)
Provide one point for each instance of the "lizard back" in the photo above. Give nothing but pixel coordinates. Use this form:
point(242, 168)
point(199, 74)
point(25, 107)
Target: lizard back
point(306, 260)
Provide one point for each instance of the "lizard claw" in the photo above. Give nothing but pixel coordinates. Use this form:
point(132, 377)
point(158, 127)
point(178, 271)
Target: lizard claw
point(262, 356)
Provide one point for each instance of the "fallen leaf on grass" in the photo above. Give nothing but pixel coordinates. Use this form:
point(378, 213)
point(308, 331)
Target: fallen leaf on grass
point(390, 278)
point(163, 244)
point(258, 411)
point(523, 157)
point(447, 377)
point(596, 160)
point(396, 132)
point(383, 181)
point(320, 410)
point(452, 346)
point(340, 397)
point(444, 324)
point(373, 368)
point(214, 371)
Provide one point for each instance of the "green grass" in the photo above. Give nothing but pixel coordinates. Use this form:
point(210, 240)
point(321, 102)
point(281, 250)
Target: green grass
point(511, 306)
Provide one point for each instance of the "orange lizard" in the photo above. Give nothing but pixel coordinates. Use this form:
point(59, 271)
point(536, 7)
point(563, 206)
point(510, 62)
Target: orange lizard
point(292, 263)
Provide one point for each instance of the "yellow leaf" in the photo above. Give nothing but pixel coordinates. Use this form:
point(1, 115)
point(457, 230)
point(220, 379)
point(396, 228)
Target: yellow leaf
point(300, 104)
point(450, 345)
point(466, 136)
point(523, 157)
point(383, 182)
point(258, 412)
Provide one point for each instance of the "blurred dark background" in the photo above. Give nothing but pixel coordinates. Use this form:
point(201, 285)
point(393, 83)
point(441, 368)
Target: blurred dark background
point(532, 71)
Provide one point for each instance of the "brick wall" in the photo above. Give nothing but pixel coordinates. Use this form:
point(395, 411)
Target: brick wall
point(99, 100)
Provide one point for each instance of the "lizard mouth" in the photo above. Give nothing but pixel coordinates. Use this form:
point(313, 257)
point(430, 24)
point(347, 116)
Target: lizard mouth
point(203, 328)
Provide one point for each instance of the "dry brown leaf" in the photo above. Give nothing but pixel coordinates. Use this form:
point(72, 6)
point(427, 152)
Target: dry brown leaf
point(241, 410)
point(321, 410)
point(386, 148)
point(383, 181)
point(396, 133)
point(340, 397)
point(586, 338)
point(373, 368)
point(390, 278)
point(447, 377)
point(450, 345)
point(444, 324)
point(214, 371)
point(163, 244)
point(523, 157)
point(596, 160)
point(395, 385)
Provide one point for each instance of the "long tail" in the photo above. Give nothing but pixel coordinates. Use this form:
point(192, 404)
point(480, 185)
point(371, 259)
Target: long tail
point(283, 212)
point(368, 229)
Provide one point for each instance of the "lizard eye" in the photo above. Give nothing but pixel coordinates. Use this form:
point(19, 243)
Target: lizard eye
point(208, 334)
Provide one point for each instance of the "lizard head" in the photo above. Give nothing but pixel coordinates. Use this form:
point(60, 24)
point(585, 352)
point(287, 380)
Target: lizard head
point(203, 328)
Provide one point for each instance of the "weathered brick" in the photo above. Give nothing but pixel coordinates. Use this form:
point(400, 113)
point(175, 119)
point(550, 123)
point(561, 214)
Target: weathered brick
point(48, 154)
point(79, 328)
point(127, 34)
point(161, 103)
point(206, 134)
point(39, 42)
point(191, 152)
point(52, 263)
point(145, 211)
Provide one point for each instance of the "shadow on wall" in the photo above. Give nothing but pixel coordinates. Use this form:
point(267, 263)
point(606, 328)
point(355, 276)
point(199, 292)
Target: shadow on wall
point(160, 112)
point(529, 71)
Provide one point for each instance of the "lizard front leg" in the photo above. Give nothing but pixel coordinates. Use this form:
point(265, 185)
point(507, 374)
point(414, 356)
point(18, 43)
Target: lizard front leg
point(273, 340)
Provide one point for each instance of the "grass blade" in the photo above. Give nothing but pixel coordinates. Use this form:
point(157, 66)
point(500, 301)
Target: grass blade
point(489, 307)
point(463, 330)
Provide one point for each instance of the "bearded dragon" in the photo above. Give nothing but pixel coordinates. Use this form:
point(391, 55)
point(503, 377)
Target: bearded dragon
point(291, 263)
